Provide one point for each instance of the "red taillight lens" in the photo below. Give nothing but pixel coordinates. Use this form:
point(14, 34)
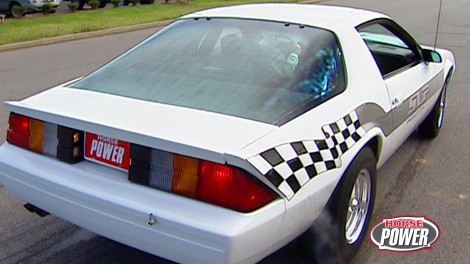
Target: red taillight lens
point(231, 187)
point(64, 143)
point(19, 123)
point(18, 132)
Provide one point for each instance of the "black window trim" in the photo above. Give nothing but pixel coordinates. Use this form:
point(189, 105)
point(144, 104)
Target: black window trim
point(400, 32)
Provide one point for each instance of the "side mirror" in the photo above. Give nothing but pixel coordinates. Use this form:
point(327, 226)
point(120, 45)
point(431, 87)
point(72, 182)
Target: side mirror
point(431, 56)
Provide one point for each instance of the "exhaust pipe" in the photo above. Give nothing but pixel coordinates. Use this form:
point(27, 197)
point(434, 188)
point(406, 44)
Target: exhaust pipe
point(36, 210)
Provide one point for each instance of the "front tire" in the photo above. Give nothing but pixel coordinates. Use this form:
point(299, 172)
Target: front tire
point(338, 233)
point(431, 126)
point(13, 10)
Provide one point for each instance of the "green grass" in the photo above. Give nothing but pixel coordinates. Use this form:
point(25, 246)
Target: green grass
point(25, 29)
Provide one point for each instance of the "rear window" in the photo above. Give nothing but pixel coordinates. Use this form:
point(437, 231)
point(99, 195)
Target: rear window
point(260, 70)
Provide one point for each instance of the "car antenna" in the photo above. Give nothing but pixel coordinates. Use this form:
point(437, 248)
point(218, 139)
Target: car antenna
point(438, 22)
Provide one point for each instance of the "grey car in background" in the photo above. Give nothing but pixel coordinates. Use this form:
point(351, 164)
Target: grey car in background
point(11, 7)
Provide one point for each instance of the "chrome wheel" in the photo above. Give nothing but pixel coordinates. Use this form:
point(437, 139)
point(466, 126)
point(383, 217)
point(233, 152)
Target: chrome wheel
point(442, 107)
point(348, 213)
point(359, 204)
point(432, 124)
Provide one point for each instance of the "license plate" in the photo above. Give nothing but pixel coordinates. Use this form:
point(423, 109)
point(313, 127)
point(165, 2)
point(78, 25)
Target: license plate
point(107, 150)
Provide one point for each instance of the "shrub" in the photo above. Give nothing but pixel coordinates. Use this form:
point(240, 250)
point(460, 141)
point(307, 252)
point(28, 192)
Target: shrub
point(115, 3)
point(72, 7)
point(134, 2)
point(46, 7)
point(94, 4)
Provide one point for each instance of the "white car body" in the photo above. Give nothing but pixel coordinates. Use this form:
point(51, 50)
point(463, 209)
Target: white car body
point(101, 199)
point(39, 3)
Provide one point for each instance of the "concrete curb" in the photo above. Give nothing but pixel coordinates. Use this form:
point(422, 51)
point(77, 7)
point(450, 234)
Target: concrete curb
point(53, 40)
point(47, 41)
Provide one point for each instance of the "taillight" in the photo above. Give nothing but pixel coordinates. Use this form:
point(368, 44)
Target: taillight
point(207, 181)
point(231, 187)
point(185, 175)
point(49, 139)
point(18, 133)
point(70, 144)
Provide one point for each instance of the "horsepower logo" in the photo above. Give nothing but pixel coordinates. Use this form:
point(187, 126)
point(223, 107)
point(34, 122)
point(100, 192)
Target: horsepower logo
point(404, 234)
point(107, 150)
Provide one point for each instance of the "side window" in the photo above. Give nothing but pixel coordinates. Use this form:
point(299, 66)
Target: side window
point(389, 48)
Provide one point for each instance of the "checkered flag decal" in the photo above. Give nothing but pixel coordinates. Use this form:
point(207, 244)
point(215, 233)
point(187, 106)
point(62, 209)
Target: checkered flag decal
point(290, 166)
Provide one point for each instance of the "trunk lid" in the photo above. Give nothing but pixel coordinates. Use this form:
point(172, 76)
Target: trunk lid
point(175, 129)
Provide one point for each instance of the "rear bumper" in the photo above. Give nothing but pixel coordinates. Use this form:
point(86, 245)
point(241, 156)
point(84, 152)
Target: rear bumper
point(102, 200)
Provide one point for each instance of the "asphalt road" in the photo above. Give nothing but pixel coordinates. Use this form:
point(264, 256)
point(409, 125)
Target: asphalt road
point(423, 178)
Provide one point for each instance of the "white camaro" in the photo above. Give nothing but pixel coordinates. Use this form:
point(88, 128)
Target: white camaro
point(229, 133)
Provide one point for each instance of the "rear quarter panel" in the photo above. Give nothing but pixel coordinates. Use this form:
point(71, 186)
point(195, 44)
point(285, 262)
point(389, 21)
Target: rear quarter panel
point(365, 85)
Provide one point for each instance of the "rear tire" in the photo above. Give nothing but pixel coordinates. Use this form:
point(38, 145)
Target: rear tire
point(338, 233)
point(431, 126)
